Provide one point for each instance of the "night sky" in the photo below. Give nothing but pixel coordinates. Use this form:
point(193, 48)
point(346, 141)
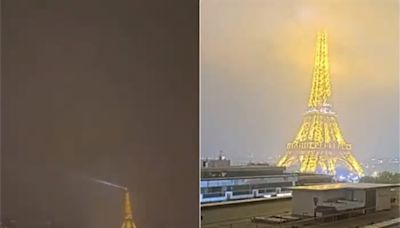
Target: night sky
point(104, 89)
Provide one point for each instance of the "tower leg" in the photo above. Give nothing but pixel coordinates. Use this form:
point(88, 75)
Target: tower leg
point(283, 160)
point(309, 161)
point(323, 164)
point(330, 163)
point(353, 164)
point(327, 163)
point(287, 160)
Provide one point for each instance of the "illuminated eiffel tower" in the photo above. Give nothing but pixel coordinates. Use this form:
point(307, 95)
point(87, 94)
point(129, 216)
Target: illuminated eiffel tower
point(128, 220)
point(320, 143)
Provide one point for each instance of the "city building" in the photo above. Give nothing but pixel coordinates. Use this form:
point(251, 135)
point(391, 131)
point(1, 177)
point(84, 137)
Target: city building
point(216, 163)
point(323, 205)
point(322, 200)
point(228, 183)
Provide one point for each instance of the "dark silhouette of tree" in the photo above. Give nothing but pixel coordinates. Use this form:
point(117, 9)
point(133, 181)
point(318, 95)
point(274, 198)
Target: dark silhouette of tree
point(383, 178)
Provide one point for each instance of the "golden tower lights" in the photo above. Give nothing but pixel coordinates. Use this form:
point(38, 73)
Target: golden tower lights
point(319, 141)
point(128, 220)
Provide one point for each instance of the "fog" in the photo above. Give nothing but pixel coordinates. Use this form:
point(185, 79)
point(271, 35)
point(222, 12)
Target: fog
point(256, 68)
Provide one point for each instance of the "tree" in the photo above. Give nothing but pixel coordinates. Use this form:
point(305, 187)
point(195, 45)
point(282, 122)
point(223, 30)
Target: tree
point(383, 177)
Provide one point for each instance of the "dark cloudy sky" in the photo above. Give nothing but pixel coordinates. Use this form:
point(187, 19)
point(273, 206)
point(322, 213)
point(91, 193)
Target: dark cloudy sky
point(104, 89)
point(256, 67)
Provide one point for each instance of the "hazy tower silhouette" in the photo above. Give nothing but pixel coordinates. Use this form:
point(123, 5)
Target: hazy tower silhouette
point(319, 141)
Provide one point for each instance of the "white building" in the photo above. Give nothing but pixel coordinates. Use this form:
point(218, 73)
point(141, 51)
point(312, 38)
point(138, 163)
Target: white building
point(319, 200)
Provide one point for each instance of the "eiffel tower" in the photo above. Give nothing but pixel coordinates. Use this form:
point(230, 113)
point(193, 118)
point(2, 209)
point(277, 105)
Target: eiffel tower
point(319, 142)
point(128, 220)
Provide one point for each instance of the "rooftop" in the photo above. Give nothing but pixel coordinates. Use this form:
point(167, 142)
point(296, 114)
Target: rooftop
point(335, 186)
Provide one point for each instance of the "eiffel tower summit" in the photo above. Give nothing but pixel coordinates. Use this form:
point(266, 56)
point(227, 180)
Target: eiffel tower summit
point(319, 143)
point(128, 220)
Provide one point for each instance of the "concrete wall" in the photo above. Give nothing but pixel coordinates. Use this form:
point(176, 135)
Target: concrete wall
point(331, 195)
point(383, 199)
point(238, 215)
point(303, 202)
point(359, 195)
point(395, 193)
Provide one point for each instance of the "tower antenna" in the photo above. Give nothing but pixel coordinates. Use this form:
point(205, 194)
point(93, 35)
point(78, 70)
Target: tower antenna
point(128, 220)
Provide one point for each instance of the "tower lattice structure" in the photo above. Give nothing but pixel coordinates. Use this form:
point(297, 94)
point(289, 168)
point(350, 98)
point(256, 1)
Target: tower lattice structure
point(319, 142)
point(128, 220)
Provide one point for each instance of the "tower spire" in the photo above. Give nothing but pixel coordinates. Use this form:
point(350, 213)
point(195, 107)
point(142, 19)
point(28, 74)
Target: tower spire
point(321, 82)
point(128, 220)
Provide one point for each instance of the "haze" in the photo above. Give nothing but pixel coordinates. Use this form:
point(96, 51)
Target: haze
point(256, 67)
